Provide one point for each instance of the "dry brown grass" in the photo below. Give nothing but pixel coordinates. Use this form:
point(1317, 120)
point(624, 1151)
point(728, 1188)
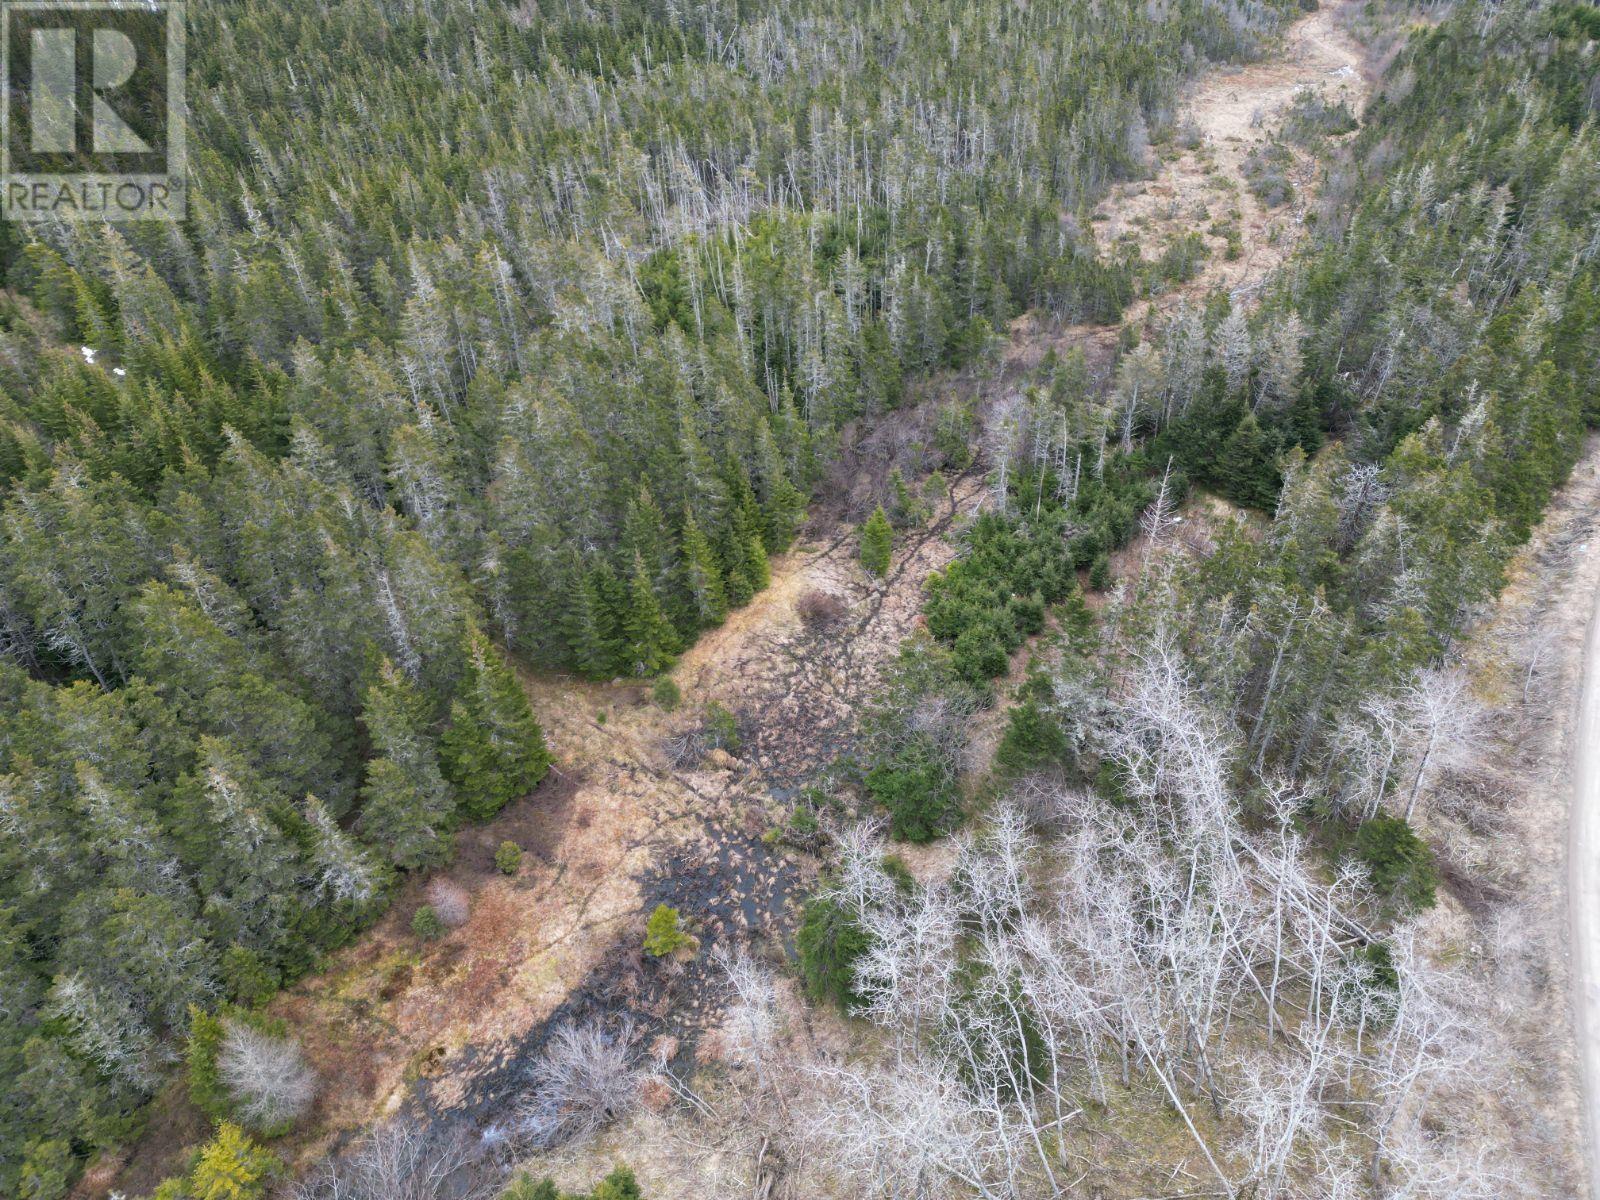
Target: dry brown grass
point(1500, 833)
point(390, 1009)
point(1200, 179)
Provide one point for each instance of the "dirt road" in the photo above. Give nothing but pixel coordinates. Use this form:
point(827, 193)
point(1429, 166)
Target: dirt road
point(1583, 889)
point(1517, 844)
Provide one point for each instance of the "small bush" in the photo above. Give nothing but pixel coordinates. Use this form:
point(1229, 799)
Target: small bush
point(619, 1185)
point(1027, 614)
point(721, 729)
point(523, 1187)
point(899, 874)
point(1111, 781)
point(663, 933)
point(426, 924)
point(1381, 960)
point(1398, 862)
point(803, 821)
point(820, 609)
point(1313, 116)
point(1266, 170)
point(906, 509)
point(954, 435)
point(1181, 259)
point(919, 792)
point(666, 694)
point(980, 652)
point(1100, 572)
point(508, 858)
point(450, 901)
point(1034, 738)
point(829, 942)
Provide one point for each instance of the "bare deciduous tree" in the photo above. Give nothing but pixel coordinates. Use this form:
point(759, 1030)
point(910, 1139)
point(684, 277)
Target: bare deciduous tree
point(267, 1076)
point(1444, 719)
point(404, 1161)
point(585, 1079)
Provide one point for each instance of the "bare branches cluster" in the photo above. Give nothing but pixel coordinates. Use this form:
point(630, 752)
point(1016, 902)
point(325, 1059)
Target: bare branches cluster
point(267, 1076)
point(585, 1079)
point(405, 1160)
point(1164, 952)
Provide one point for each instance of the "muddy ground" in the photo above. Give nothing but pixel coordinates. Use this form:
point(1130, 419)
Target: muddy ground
point(448, 1028)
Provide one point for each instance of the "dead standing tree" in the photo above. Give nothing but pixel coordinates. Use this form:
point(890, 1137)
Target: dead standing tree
point(1146, 940)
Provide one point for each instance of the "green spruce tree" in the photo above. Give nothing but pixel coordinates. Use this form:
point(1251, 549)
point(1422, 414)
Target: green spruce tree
point(493, 749)
point(702, 577)
point(877, 543)
point(406, 808)
point(648, 640)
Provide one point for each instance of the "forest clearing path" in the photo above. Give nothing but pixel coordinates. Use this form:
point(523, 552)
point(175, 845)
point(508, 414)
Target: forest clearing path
point(449, 1028)
point(1228, 112)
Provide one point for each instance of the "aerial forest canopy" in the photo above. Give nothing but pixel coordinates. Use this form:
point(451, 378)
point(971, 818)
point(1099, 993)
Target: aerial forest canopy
point(524, 333)
point(1262, 716)
point(487, 324)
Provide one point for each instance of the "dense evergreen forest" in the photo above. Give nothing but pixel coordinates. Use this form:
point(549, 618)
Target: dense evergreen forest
point(487, 324)
point(532, 328)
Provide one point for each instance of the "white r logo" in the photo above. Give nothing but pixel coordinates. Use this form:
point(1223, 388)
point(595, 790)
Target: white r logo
point(55, 92)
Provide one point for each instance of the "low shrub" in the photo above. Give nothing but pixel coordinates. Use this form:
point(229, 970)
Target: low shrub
point(426, 924)
point(829, 942)
point(1100, 578)
point(450, 901)
point(820, 609)
point(664, 933)
point(508, 858)
point(619, 1185)
point(1398, 862)
point(721, 731)
point(877, 543)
